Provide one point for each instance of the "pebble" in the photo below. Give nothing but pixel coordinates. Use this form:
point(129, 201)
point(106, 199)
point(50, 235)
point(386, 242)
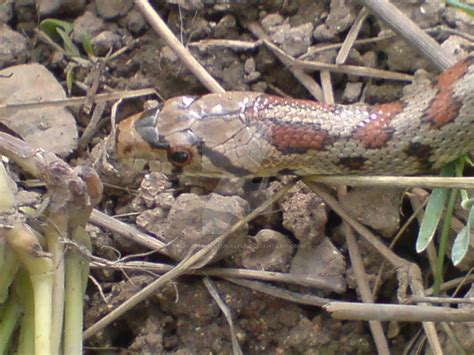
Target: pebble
point(111, 9)
point(13, 47)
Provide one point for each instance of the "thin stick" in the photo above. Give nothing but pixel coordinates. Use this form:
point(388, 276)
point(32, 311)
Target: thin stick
point(127, 231)
point(183, 53)
point(351, 37)
point(408, 30)
point(76, 101)
point(395, 181)
point(364, 289)
point(393, 312)
point(305, 80)
point(260, 275)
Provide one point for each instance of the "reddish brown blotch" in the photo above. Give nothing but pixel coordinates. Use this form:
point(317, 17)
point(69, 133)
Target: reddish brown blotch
point(374, 132)
point(445, 107)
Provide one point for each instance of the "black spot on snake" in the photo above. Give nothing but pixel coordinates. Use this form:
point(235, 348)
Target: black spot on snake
point(352, 163)
point(422, 153)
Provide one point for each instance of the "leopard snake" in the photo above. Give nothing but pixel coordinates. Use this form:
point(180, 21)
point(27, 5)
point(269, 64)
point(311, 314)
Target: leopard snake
point(255, 134)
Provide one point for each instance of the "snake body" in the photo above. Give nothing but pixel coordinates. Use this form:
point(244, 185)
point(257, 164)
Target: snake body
point(249, 133)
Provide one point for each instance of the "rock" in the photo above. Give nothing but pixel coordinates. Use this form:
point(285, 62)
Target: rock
point(195, 221)
point(271, 21)
point(401, 56)
point(323, 261)
point(304, 214)
point(111, 9)
point(50, 128)
point(13, 47)
point(459, 20)
point(104, 42)
point(47, 8)
point(424, 13)
point(135, 22)
point(456, 45)
point(6, 11)
point(341, 16)
point(25, 11)
point(323, 33)
point(87, 24)
point(375, 207)
point(155, 191)
point(226, 27)
point(298, 39)
point(293, 40)
point(154, 200)
point(383, 93)
point(369, 59)
point(269, 250)
point(352, 93)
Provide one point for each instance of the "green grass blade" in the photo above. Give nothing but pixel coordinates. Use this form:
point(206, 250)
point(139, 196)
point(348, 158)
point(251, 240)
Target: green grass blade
point(467, 8)
point(434, 211)
point(461, 242)
point(49, 26)
point(69, 47)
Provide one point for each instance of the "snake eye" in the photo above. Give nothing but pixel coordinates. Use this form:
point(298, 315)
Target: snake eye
point(179, 156)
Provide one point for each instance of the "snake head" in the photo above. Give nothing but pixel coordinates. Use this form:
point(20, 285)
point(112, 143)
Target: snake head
point(190, 135)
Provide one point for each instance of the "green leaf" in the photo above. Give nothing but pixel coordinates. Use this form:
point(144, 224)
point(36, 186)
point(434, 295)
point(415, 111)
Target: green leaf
point(86, 44)
point(462, 240)
point(69, 47)
point(49, 26)
point(69, 80)
point(434, 211)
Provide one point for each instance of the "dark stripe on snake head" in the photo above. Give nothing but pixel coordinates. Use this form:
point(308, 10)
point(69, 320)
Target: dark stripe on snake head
point(222, 162)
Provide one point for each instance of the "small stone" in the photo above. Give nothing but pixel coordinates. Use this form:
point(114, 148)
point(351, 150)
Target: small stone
point(368, 204)
point(459, 20)
point(270, 21)
point(105, 41)
point(298, 39)
point(401, 57)
point(456, 45)
point(47, 8)
point(111, 9)
point(352, 92)
point(323, 33)
point(249, 65)
point(195, 221)
point(226, 25)
point(135, 22)
point(269, 250)
point(87, 24)
point(261, 86)
point(51, 128)
point(6, 11)
point(323, 261)
point(13, 47)
point(369, 59)
point(304, 214)
point(341, 16)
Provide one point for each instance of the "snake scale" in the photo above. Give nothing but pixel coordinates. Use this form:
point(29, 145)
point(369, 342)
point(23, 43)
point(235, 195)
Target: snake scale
point(255, 134)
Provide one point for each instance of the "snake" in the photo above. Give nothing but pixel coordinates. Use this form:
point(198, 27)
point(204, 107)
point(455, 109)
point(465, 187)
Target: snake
point(257, 134)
